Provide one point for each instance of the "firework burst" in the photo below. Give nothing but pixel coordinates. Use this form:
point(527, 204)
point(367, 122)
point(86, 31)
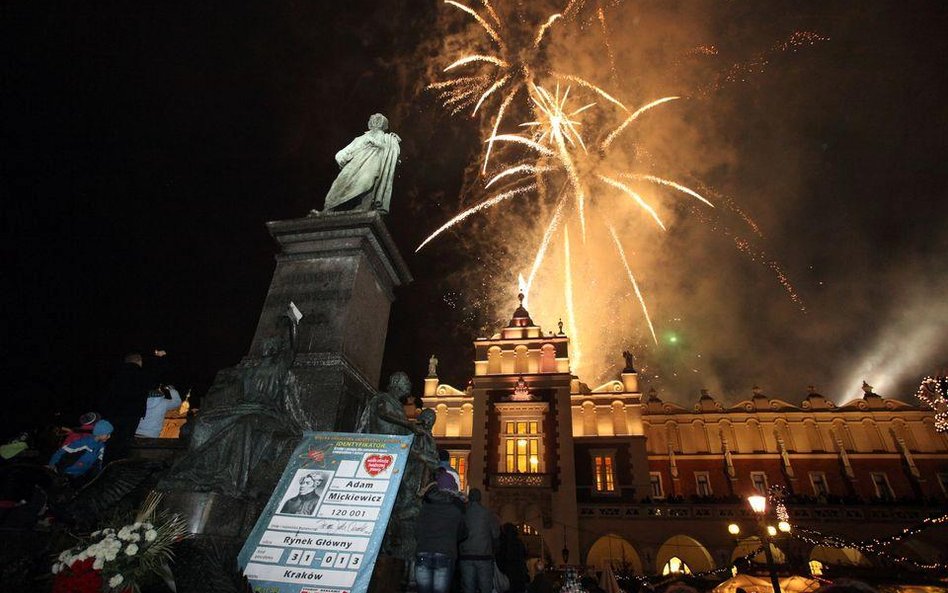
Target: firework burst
point(558, 150)
point(565, 157)
point(511, 67)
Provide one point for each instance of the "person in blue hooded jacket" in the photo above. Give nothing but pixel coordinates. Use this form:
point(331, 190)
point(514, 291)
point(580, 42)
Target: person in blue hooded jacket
point(82, 455)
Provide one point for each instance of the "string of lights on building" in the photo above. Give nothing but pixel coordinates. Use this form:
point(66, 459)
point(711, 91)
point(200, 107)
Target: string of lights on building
point(874, 546)
point(714, 572)
point(933, 391)
point(816, 538)
point(926, 523)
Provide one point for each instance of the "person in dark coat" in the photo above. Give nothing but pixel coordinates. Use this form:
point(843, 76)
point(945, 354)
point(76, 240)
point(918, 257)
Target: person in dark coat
point(306, 501)
point(125, 400)
point(512, 558)
point(476, 561)
point(541, 583)
point(438, 529)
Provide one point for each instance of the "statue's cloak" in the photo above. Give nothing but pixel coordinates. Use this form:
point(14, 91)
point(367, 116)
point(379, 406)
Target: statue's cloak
point(368, 169)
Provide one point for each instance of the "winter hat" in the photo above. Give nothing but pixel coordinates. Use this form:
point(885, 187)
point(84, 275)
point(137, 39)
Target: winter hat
point(102, 427)
point(89, 418)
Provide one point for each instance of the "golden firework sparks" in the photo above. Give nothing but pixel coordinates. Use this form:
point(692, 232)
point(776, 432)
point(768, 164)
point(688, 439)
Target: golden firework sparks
point(560, 127)
point(482, 205)
point(507, 72)
point(575, 349)
point(635, 285)
point(515, 170)
point(544, 245)
point(635, 115)
point(544, 27)
point(480, 21)
point(511, 66)
point(668, 183)
point(635, 196)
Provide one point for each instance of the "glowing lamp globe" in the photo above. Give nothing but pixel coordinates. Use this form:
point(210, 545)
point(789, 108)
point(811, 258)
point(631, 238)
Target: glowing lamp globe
point(733, 529)
point(758, 503)
point(771, 530)
point(784, 526)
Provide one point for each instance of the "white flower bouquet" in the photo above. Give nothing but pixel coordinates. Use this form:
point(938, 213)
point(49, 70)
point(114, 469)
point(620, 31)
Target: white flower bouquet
point(116, 560)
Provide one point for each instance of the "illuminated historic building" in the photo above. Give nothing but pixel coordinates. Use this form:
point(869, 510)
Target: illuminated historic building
point(611, 475)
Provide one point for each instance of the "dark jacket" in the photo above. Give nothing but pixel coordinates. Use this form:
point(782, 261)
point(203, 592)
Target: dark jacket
point(440, 524)
point(483, 529)
point(512, 558)
point(128, 392)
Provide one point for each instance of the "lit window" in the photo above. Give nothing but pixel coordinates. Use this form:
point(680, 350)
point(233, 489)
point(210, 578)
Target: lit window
point(675, 565)
point(883, 489)
point(820, 485)
point(526, 529)
point(522, 446)
point(759, 480)
point(816, 568)
point(459, 463)
point(655, 479)
point(703, 484)
point(605, 473)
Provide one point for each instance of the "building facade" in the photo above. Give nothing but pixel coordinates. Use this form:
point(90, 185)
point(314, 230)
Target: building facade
point(608, 475)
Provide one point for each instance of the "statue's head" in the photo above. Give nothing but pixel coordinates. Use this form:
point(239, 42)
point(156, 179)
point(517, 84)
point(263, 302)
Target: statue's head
point(427, 418)
point(378, 122)
point(399, 384)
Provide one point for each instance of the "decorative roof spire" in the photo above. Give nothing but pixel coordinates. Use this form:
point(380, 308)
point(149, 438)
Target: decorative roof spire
point(521, 317)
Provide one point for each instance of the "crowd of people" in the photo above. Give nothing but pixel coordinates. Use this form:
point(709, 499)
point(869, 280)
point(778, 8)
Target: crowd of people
point(134, 405)
point(461, 545)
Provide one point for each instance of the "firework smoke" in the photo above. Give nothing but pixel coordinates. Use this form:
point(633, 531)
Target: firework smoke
point(718, 259)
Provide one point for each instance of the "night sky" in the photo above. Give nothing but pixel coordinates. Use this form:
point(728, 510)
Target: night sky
point(146, 144)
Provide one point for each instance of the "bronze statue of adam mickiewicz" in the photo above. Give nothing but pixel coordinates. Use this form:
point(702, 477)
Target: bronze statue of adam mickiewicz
point(304, 503)
point(368, 168)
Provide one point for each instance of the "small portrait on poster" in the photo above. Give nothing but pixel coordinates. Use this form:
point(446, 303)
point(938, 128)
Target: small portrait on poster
point(304, 493)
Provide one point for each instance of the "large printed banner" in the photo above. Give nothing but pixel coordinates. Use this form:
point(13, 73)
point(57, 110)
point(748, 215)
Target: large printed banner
point(323, 527)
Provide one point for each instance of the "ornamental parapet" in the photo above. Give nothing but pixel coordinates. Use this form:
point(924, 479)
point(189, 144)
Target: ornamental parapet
point(732, 512)
point(521, 480)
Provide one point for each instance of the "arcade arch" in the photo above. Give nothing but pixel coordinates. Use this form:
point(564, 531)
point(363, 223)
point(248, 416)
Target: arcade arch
point(687, 550)
point(613, 550)
point(748, 544)
point(839, 556)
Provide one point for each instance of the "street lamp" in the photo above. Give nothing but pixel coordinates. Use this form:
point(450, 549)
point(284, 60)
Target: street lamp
point(733, 529)
point(758, 504)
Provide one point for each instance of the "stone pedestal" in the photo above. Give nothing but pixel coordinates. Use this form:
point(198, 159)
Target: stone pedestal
point(340, 270)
